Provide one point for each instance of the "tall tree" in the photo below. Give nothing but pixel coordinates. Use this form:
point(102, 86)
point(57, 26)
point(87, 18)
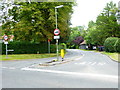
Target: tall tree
point(35, 21)
point(107, 22)
point(76, 32)
point(105, 26)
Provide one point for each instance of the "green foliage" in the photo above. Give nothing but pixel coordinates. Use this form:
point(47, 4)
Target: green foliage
point(62, 46)
point(105, 26)
point(74, 33)
point(52, 48)
point(28, 48)
point(94, 36)
point(117, 44)
point(111, 44)
point(35, 21)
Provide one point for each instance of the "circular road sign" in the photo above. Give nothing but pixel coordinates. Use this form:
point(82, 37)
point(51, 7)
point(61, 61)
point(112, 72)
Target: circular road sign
point(56, 32)
point(5, 37)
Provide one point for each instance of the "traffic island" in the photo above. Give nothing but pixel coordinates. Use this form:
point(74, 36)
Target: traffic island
point(53, 62)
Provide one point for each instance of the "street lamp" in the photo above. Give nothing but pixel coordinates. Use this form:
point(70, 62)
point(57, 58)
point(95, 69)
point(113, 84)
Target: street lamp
point(57, 28)
point(56, 13)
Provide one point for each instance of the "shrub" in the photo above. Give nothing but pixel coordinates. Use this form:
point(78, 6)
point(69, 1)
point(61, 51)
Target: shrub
point(117, 45)
point(62, 46)
point(52, 48)
point(27, 47)
point(111, 44)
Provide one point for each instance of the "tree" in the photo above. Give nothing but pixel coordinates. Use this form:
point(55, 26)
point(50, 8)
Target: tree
point(93, 35)
point(78, 40)
point(105, 26)
point(35, 21)
point(76, 32)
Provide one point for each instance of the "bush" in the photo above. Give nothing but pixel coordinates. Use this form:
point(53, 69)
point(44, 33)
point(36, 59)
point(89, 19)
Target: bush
point(52, 48)
point(111, 44)
point(27, 48)
point(62, 46)
point(118, 45)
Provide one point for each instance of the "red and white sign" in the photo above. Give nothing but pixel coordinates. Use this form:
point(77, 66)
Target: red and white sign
point(6, 37)
point(56, 32)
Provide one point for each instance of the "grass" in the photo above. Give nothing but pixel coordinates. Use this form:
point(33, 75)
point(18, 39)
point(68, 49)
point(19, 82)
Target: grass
point(25, 56)
point(89, 50)
point(114, 56)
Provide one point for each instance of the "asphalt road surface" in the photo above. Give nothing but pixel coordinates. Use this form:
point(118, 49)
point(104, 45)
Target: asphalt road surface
point(85, 69)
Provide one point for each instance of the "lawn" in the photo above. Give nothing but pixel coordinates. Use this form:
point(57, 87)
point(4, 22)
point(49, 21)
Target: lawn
point(25, 56)
point(114, 56)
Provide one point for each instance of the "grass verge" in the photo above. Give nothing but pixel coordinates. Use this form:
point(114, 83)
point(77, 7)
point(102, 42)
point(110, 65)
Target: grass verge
point(25, 56)
point(114, 56)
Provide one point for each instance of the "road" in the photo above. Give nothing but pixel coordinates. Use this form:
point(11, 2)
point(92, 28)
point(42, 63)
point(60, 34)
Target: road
point(86, 69)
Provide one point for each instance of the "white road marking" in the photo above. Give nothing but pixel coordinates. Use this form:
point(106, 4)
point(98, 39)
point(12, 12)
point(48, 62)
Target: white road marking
point(93, 63)
point(8, 67)
point(82, 63)
point(4, 67)
point(98, 76)
point(89, 63)
point(11, 68)
point(101, 64)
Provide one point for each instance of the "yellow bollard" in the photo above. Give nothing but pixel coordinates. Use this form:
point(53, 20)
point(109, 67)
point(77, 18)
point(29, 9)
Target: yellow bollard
point(62, 53)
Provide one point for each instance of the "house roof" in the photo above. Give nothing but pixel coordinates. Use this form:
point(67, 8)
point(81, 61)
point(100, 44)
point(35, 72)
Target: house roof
point(84, 42)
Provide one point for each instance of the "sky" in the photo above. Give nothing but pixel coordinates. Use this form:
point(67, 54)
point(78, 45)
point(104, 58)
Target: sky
point(87, 10)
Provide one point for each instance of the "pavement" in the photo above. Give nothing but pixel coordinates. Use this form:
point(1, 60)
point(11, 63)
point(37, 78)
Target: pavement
point(80, 69)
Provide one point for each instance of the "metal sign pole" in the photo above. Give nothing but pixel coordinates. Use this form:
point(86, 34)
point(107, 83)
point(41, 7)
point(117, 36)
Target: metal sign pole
point(49, 47)
point(56, 16)
point(57, 49)
point(56, 28)
point(6, 51)
point(56, 39)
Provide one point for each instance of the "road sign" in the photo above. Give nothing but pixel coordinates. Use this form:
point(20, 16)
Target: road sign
point(56, 32)
point(5, 42)
point(5, 37)
point(56, 37)
point(49, 40)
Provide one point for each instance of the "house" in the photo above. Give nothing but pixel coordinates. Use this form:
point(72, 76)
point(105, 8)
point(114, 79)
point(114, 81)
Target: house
point(83, 45)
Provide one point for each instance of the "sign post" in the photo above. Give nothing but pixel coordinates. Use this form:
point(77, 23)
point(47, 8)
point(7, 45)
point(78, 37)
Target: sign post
point(56, 33)
point(6, 43)
point(49, 46)
point(6, 51)
point(5, 37)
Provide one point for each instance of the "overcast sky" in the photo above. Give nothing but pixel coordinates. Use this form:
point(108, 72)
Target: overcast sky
point(87, 10)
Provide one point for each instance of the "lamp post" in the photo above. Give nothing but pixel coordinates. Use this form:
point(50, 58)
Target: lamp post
point(57, 28)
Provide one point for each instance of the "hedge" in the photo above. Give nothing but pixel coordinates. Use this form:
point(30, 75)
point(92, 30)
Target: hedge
point(118, 45)
point(112, 44)
point(27, 47)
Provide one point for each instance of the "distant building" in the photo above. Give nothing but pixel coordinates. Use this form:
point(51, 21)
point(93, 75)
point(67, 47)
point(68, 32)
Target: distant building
point(83, 45)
